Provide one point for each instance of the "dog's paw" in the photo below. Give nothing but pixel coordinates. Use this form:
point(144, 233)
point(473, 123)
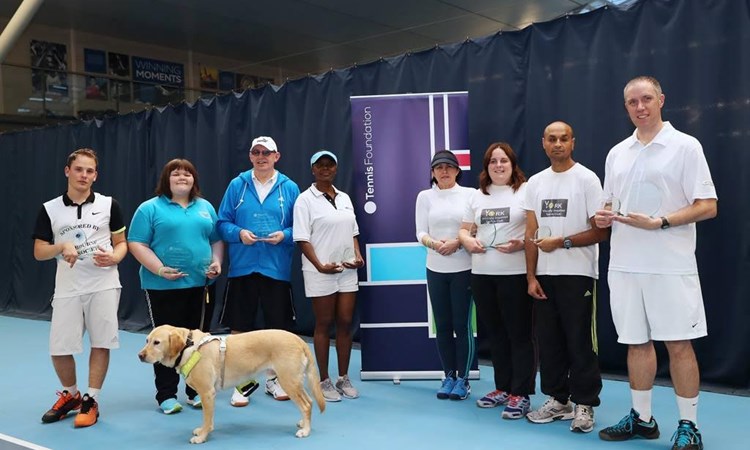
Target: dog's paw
point(199, 436)
point(198, 439)
point(303, 432)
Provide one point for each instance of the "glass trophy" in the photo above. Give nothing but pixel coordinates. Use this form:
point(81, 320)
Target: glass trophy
point(489, 236)
point(543, 232)
point(342, 255)
point(205, 265)
point(178, 256)
point(613, 204)
point(644, 198)
point(264, 225)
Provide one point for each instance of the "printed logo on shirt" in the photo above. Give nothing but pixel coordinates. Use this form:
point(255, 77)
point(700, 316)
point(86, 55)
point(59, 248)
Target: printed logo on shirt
point(205, 214)
point(495, 215)
point(93, 213)
point(555, 207)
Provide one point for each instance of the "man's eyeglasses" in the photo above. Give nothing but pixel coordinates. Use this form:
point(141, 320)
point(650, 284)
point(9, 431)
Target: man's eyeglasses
point(255, 152)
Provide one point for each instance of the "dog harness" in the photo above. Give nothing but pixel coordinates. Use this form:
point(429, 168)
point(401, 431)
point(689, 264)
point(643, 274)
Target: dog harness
point(196, 355)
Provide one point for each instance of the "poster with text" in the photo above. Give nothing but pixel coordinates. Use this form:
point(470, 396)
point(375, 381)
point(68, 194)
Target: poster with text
point(394, 138)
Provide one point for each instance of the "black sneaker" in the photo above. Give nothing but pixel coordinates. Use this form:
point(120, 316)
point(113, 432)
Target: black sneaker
point(65, 404)
point(629, 427)
point(687, 437)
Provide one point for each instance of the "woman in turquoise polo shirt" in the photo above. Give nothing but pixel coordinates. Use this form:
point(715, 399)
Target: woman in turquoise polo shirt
point(174, 237)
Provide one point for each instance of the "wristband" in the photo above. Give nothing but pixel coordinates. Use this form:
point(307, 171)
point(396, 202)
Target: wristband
point(159, 271)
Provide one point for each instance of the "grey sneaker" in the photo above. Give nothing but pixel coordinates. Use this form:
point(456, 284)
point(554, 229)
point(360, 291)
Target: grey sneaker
point(345, 388)
point(329, 392)
point(551, 410)
point(583, 421)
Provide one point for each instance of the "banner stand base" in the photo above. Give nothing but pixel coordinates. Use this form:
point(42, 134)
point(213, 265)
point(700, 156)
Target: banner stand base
point(397, 376)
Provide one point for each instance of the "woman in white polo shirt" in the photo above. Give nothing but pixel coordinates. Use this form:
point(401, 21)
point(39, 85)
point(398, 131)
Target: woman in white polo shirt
point(326, 231)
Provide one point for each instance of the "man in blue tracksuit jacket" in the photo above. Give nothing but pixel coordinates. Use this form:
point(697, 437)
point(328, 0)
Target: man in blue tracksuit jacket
point(255, 219)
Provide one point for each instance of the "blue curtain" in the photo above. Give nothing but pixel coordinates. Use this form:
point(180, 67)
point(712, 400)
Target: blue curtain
point(571, 69)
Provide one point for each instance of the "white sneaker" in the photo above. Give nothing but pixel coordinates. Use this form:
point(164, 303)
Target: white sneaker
point(551, 410)
point(584, 419)
point(238, 399)
point(329, 392)
point(274, 388)
point(345, 388)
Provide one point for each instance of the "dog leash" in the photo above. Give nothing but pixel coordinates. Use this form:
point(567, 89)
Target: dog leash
point(204, 303)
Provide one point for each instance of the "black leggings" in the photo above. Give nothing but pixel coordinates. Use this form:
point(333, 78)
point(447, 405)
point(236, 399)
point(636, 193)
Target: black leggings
point(451, 306)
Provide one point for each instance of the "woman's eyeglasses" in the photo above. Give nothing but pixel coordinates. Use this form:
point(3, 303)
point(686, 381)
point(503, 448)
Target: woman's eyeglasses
point(255, 152)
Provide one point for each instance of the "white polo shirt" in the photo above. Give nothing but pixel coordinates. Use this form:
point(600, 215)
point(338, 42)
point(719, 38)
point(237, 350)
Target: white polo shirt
point(438, 213)
point(501, 202)
point(330, 230)
point(264, 188)
point(565, 202)
point(673, 162)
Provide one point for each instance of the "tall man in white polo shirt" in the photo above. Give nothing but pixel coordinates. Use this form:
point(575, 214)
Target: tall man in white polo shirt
point(84, 231)
point(561, 269)
point(653, 276)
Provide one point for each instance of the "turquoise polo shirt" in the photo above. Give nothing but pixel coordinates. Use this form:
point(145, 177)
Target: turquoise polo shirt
point(180, 237)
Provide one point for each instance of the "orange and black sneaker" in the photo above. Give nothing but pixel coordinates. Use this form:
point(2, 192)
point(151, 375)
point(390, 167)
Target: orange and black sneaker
point(89, 412)
point(65, 404)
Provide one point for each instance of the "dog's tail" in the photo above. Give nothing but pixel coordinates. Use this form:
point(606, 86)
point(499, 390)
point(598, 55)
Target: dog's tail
point(313, 379)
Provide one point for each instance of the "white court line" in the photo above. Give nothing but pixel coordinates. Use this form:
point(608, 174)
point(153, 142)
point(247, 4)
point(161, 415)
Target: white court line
point(19, 442)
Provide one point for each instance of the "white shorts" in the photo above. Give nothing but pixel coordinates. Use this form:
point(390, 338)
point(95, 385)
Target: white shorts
point(321, 284)
point(71, 316)
point(648, 307)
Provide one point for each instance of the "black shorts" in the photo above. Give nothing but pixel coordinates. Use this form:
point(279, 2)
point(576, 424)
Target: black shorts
point(244, 294)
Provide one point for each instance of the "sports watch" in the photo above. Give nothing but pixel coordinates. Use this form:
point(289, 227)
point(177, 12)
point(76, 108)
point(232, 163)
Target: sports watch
point(664, 223)
point(567, 243)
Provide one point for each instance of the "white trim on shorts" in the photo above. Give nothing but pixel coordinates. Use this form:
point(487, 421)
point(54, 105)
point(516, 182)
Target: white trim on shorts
point(95, 312)
point(321, 284)
point(656, 307)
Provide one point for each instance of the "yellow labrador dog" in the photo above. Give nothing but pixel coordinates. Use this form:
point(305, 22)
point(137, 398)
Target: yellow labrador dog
point(210, 363)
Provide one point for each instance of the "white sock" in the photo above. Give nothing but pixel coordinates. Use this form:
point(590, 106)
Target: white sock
point(642, 403)
point(688, 408)
point(72, 390)
point(94, 393)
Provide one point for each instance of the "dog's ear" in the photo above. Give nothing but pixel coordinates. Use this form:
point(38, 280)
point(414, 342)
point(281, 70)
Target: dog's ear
point(176, 343)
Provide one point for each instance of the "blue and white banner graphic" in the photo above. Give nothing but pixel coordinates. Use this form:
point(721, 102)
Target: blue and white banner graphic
point(394, 138)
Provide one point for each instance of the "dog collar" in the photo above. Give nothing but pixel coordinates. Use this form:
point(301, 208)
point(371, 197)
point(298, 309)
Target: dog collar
point(188, 343)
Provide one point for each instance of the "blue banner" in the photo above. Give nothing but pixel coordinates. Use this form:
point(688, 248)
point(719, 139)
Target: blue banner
point(394, 138)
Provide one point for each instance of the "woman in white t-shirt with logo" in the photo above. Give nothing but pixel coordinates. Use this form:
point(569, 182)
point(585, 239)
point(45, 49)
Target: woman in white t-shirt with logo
point(326, 231)
point(438, 214)
point(498, 278)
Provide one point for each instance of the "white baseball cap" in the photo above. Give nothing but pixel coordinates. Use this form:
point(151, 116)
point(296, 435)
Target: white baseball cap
point(266, 142)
